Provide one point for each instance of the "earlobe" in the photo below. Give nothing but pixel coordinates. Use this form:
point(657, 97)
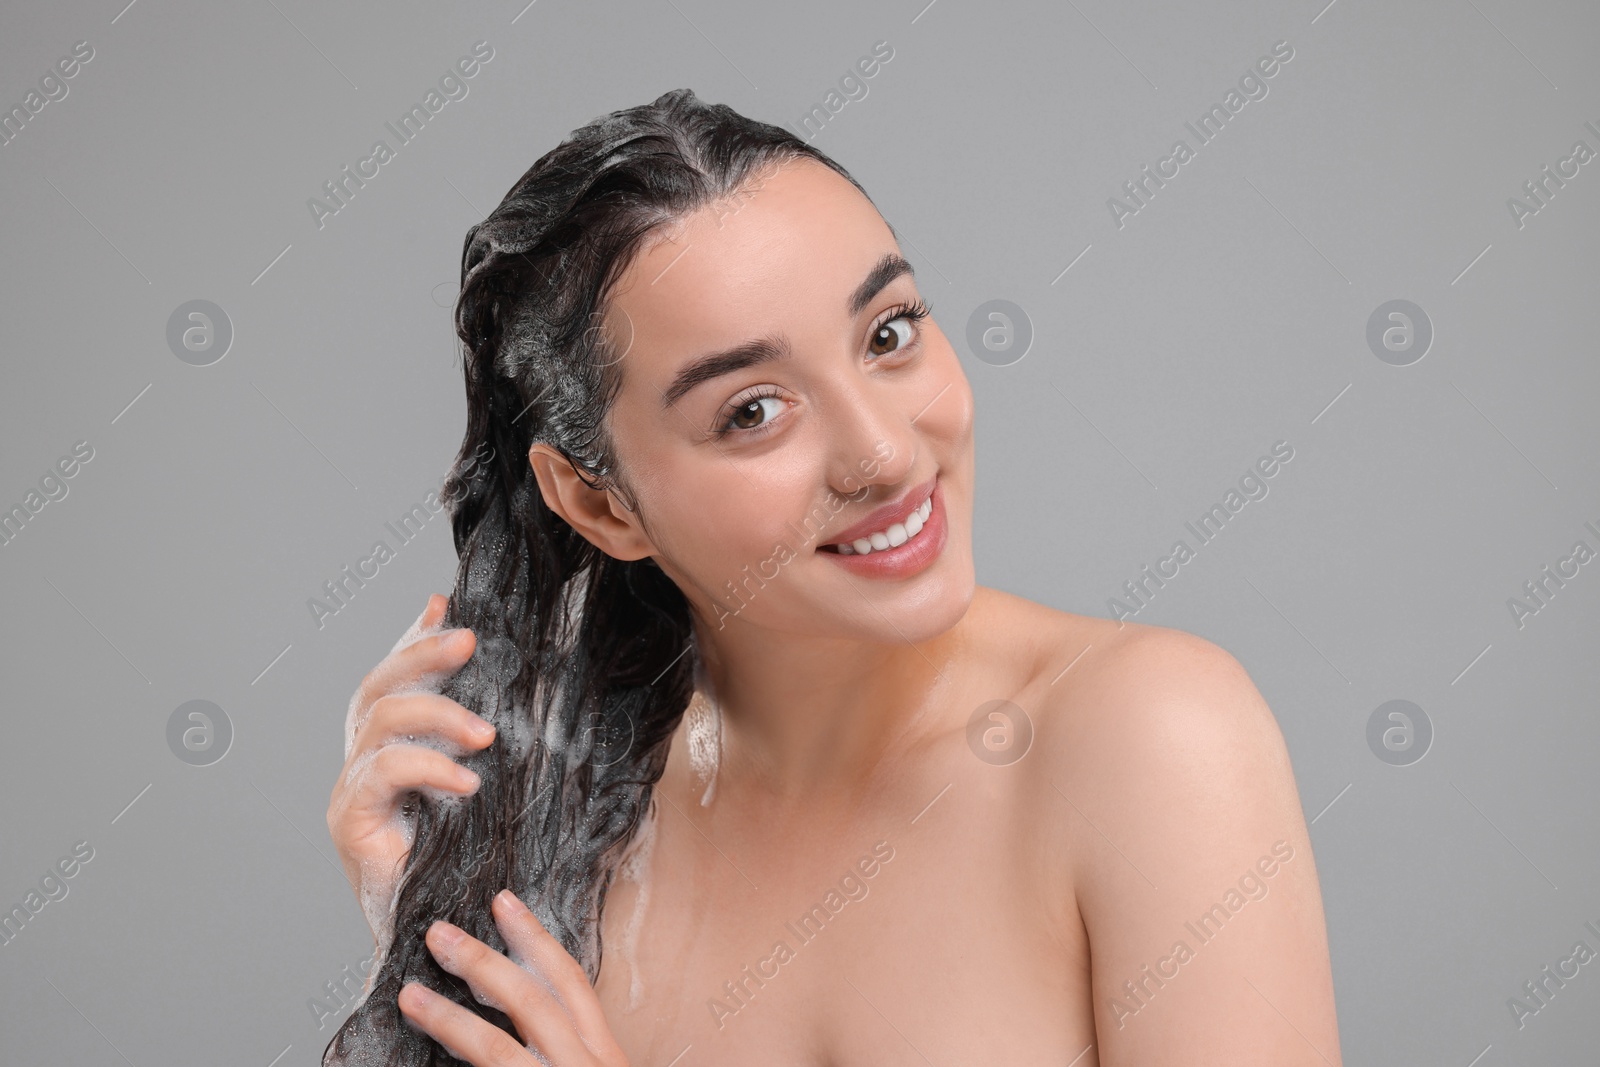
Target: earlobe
point(596, 514)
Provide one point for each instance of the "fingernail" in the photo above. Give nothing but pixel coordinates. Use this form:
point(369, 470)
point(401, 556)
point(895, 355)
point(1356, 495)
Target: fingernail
point(483, 728)
point(416, 997)
point(468, 777)
point(507, 899)
point(446, 933)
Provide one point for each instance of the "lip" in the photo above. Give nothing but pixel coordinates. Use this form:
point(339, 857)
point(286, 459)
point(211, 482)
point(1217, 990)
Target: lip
point(910, 558)
point(889, 514)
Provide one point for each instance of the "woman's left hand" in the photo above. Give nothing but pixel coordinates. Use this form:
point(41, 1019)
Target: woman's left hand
point(545, 992)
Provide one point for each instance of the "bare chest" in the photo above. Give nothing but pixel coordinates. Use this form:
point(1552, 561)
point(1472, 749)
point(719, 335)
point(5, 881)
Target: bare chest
point(911, 932)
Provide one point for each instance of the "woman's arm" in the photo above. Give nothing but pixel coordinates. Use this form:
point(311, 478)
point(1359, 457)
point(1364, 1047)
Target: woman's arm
point(1190, 862)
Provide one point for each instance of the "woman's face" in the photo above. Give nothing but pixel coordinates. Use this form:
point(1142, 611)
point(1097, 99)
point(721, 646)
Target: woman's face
point(828, 404)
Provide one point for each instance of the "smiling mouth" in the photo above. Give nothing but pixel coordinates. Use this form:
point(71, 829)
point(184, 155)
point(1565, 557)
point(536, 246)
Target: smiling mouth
point(892, 536)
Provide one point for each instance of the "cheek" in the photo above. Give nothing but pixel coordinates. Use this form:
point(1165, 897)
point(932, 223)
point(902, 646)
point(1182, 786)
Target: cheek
point(951, 417)
point(714, 521)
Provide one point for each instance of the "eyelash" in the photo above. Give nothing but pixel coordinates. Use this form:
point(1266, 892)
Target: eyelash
point(915, 311)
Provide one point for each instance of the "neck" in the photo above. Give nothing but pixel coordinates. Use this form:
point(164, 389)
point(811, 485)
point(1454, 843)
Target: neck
point(803, 715)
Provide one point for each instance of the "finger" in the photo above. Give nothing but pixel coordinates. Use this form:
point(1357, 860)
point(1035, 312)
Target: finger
point(530, 945)
point(432, 615)
point(501, 984)
point(377, 781)
point(465, 1035)
point(440, 652)
point(423, 664)
point(409, 715)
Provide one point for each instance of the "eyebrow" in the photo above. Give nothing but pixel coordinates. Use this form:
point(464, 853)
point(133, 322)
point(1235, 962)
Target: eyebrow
point(748, 354)
point(767, 349)
point(890, 267)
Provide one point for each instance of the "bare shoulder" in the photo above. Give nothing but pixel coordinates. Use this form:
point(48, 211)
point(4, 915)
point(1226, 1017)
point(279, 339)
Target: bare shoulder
point(1155, 741)
point(1160, 805)
point(1132, 712)
point(1076, 662)
point(1132, 693)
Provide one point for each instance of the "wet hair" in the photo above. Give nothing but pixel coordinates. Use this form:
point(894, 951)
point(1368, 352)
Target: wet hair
point(584, 663)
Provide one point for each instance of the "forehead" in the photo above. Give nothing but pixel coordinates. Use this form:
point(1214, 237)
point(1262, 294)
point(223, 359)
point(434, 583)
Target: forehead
point(787, 248)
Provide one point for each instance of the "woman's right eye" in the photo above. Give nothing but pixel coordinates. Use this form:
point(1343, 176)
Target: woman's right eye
point(752, 415)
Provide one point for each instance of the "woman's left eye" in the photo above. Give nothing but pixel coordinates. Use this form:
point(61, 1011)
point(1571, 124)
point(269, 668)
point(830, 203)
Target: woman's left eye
point(892, 335)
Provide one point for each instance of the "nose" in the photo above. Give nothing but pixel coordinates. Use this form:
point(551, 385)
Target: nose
point(872, 437)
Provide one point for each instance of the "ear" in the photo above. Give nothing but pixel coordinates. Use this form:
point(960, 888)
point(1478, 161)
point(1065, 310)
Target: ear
point(595, 513)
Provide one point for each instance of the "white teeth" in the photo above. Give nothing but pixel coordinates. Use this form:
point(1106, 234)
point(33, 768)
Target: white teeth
point(895, 536)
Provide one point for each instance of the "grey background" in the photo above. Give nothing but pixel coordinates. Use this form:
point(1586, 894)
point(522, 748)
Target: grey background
point(1228, 314)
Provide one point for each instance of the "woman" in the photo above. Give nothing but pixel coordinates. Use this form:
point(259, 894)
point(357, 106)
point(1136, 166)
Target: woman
point(717, 449)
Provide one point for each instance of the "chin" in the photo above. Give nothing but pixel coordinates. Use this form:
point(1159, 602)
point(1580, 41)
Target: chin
point(924, 586)
point(919, 609)
point(947, 607)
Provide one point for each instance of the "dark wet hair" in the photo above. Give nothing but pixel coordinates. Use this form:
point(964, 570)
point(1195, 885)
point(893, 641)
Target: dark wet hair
point(584, 663)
